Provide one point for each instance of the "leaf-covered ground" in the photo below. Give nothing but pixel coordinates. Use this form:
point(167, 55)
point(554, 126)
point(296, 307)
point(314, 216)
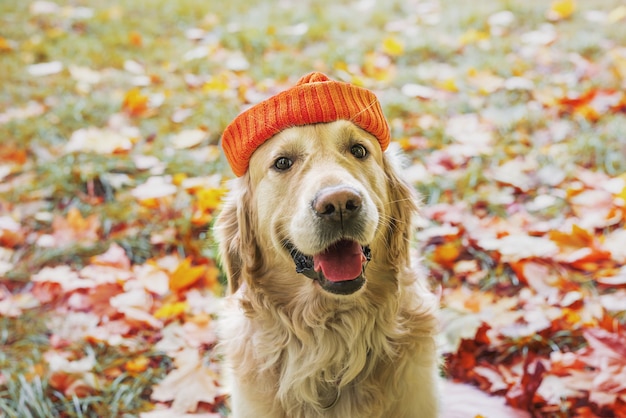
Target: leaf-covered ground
point(513, 119)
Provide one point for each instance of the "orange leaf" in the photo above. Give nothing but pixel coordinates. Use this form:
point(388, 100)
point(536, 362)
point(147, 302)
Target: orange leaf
point(578, 238)
point(13, 154)
point(211, 277)
point(446, 254)
point(11, 234)
point(135, 103)
point(185, 275)
point(137, 365)
point(135, 38)
point(5, 45)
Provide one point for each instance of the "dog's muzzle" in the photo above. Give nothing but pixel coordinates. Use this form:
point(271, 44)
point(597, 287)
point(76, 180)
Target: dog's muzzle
point(305, 265)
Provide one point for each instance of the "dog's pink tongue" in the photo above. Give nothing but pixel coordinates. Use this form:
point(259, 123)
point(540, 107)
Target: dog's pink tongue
point(341, 261)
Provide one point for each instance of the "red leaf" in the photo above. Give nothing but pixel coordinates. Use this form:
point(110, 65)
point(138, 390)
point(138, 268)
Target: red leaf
point(522, 394)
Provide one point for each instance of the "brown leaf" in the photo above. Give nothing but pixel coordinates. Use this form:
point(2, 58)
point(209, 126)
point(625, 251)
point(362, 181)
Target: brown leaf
point(521, 395)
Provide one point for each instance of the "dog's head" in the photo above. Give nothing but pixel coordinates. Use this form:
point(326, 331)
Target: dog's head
point(320, 209)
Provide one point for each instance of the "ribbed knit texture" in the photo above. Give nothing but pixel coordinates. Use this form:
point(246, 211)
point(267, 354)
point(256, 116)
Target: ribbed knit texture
point(314, 99)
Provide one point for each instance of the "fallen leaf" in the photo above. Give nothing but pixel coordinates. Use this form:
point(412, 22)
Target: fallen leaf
point(519, 247)
point(155, 187)
point(135, 103)
point(188, 138)
point(137, 365)
point(446, 254)
point(171, 310)
point(393, 46)
point(11, 234)
point(561, 9)
point(45, 68)
point(185, 275)
point(100, 141)
point(135, 38)
point(189, 384)
point(115, 256)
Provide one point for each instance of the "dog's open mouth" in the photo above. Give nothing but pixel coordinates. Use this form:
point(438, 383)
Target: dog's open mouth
point(339, 269)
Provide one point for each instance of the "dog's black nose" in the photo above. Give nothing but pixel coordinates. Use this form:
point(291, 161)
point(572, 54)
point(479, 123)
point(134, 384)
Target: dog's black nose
point(337, 203)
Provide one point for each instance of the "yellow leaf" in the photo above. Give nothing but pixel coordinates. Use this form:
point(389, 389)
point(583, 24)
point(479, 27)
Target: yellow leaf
point(135, 103)
point(178, 178)
point(209, 199)
point(171, 310)
point(473, 36)
point(137, 365)
point(217, 84)
point(561, 9)
point(185, 275)
point(449, 84)
point(341, 66)
point(393, 46)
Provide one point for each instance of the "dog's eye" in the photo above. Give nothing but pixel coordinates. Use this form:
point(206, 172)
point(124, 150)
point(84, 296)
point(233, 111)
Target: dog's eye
point(282, 163)
point(358, 151)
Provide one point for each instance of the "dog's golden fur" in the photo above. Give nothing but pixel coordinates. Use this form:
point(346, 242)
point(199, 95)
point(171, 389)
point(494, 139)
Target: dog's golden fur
point(294, 349)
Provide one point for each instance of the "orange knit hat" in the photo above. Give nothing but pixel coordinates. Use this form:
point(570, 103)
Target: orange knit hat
point(314, 99)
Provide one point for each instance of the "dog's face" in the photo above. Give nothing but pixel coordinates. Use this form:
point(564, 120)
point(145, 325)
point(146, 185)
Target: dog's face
point(320, 202)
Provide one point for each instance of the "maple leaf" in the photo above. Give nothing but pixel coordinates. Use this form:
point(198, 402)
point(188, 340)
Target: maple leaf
point(115, 256)
point(152, 278)
point(465, 401)
point(135, 103)
point(521, 394)
point(185, 275)
point(75, 228)
point(190, 383)
point(171, 310)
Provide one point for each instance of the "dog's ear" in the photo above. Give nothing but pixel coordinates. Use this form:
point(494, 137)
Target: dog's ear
point(233, 229)
point(401, 211)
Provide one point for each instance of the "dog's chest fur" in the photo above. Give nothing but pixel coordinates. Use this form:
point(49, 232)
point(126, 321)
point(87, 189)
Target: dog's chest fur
point(339, 364)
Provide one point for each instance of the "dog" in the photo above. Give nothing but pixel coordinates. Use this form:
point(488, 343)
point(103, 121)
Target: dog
point(327, 317)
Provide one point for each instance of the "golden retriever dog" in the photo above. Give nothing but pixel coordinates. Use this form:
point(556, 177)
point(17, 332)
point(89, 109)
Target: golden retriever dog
point(327, 316)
